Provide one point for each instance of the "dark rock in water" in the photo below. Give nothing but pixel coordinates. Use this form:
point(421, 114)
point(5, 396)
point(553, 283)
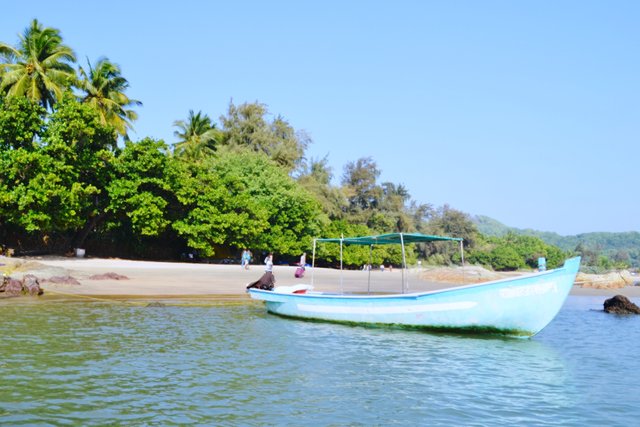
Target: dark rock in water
point(620, 304)
point(31, 285)
point(156, 304)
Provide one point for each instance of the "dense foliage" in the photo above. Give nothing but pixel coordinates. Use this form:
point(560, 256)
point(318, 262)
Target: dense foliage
point(512, 252)
point(70, 177)
point(601, 251)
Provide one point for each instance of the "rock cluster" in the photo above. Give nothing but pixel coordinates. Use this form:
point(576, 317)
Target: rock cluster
point(29, 285)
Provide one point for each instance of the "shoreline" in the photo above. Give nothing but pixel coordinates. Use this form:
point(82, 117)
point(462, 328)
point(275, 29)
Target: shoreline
point(215, 282)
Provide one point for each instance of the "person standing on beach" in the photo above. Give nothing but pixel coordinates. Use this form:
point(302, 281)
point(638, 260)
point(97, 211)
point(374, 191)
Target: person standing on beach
point(268, 261)
point(301, 266)
point(246, 258)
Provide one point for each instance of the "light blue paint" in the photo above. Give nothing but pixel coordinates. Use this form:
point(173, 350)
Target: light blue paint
point(542, 264)
point(520, 306)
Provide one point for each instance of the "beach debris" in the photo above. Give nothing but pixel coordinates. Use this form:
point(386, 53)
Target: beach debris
point(620, 304)
point(108, 276)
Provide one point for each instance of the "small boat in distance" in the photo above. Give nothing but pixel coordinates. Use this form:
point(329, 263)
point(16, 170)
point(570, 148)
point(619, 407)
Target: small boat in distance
point(520, 306)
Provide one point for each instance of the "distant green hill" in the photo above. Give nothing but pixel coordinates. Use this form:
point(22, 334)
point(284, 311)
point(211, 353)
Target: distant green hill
point(617, 246)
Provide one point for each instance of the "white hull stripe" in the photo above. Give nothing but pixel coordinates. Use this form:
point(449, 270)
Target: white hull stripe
point(398, 309)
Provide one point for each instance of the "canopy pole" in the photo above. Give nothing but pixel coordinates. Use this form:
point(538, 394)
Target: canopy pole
point(369, 268)
point(462, 258)
point(341, 281)
point(313, 262)
point(404, 264)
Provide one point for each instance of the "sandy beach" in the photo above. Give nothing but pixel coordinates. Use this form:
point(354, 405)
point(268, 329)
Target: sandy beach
point(214, 281)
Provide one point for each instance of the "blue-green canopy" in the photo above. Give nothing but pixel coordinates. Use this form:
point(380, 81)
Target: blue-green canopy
point(384, 239)
point(387, 239)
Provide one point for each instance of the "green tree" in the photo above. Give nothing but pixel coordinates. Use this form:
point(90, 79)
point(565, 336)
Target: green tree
point(38, 67)
point(420, 213)
point(394, 206)
point(245, 126)
point(197, 137)
point(353, 256)
point(452, 222)
point(531, 248)
point(356, 256)
point(394, 197)
point(85, 148)
point(359, 180)
point(506, 258)
point(497, 252)
point(447, 221)
point(21, 121)
point(316, 178)
point(33, 192)
point(56, 184)
point(243, 199)
point(104, 89)
point(589, 256)
point(140, 192)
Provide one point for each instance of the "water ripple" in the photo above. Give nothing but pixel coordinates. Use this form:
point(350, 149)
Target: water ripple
point(97, 364)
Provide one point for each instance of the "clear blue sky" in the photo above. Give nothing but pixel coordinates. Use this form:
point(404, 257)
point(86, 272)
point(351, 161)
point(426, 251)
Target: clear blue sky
point(524, 111)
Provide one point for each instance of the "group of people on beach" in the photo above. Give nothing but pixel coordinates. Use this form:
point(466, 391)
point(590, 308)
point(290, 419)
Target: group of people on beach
point(268, 280)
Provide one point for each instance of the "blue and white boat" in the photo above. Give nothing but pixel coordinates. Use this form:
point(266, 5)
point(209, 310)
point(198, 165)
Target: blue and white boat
point(520, 306)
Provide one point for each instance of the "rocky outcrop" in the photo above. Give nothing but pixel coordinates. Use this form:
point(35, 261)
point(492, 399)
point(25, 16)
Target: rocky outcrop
point(613, 280)
point(620, 304)
point(12, 287)
point(477, 274)
point(29, 285)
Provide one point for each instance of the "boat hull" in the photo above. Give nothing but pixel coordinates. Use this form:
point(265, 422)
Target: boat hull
point(521, 306)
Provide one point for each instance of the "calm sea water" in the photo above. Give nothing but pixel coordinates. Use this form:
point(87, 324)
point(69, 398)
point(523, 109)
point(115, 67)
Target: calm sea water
point(109, 364)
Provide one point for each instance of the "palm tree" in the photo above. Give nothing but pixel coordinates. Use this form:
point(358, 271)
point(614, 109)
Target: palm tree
point(198, 136)
point(39, 67)
point(104, 89)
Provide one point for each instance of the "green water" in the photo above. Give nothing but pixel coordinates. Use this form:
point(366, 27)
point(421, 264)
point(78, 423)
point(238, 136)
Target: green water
point(111, 364)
